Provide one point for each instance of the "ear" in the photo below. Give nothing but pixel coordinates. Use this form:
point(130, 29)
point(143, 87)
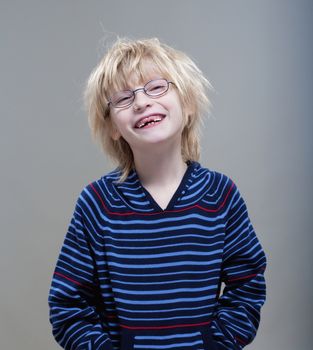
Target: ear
point(188, 117)
point(115, 134)
point(188, 112)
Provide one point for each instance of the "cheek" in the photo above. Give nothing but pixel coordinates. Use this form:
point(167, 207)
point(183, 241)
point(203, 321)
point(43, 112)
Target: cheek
point(181, 113)
point(179, 107)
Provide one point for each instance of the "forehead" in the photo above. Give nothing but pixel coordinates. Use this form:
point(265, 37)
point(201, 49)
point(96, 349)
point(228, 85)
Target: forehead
point(133, 77)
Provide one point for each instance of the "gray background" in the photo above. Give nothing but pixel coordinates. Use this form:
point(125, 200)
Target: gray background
point(257, 54)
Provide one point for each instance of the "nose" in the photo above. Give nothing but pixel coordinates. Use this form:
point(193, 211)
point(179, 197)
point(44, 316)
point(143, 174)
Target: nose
point(141, 100)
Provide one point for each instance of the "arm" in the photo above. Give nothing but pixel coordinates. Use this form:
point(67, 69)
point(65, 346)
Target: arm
point(76, 317)
point(237, 315)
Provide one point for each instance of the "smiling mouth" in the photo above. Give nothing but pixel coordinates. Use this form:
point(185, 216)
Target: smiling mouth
point(149, 121)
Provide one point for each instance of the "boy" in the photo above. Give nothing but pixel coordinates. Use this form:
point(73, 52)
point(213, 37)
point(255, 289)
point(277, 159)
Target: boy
point(150, 243)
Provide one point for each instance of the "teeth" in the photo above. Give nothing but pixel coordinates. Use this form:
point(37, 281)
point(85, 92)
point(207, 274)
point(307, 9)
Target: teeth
point(152, 122)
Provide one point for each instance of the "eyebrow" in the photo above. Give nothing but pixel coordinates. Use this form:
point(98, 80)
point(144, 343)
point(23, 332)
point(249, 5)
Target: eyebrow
point(141, 84)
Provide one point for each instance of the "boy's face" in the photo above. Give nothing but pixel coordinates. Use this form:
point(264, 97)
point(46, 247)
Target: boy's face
point(165, 121)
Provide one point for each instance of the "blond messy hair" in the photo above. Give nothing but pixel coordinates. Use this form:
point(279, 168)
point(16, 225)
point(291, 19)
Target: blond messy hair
point(127, 57)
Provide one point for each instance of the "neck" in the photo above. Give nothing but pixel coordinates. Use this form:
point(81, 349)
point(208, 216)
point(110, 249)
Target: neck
point(160, 168)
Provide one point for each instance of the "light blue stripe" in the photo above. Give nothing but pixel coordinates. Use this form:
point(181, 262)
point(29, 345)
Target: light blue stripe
point(164, 255)
point(163, 291)
point(172, 336)
point(164, 318)
point(70, 334)
point(168, 229)
point(158, 273)
point(166, 282)
point(164, 301)
point(178, 263)
point(134, 195)
point(79, 262)
point(204, 245)
point(180, 345)
point(171, 237)
point(199, 182)
point(196, 193)
point(58, 293)
point(145, 311)
point(142, 203)
point(129, 188)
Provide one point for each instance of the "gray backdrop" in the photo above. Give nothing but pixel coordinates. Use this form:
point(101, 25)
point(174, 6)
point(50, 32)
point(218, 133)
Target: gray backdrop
point(257, 54)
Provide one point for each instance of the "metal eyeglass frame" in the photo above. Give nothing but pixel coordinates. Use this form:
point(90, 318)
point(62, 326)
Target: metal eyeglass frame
point(144, 90)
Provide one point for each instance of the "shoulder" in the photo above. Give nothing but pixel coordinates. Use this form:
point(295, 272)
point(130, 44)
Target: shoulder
point(218, 181)
point(97, 191)
point(219, 187)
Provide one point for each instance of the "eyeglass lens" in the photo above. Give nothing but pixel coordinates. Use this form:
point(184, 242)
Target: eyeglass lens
point(153, 88)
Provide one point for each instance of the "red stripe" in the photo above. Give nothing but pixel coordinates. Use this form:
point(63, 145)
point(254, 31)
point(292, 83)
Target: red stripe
point(245, 277)
point(241, 341)
point(71, 280)
point(167, 327)
point(112, 316)
point(165, 211)
point(223, 203)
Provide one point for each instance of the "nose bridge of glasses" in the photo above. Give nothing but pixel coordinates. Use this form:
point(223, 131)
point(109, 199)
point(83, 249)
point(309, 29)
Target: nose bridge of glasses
point(142, 96)
point(139, 89)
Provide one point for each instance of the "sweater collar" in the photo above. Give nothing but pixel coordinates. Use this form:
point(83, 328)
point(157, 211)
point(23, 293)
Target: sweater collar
point(137, 198)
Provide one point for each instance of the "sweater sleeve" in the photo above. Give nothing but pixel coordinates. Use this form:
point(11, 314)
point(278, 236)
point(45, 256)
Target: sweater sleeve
point(238, 309)
point(78, 322)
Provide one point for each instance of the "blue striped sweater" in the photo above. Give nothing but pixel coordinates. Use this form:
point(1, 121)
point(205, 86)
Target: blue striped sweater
point(133, 276)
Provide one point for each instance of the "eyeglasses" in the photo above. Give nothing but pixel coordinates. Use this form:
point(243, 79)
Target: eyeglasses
point(153, 88)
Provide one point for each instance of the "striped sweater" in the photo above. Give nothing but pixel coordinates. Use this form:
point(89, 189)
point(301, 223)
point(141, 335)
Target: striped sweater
point(133, 276)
